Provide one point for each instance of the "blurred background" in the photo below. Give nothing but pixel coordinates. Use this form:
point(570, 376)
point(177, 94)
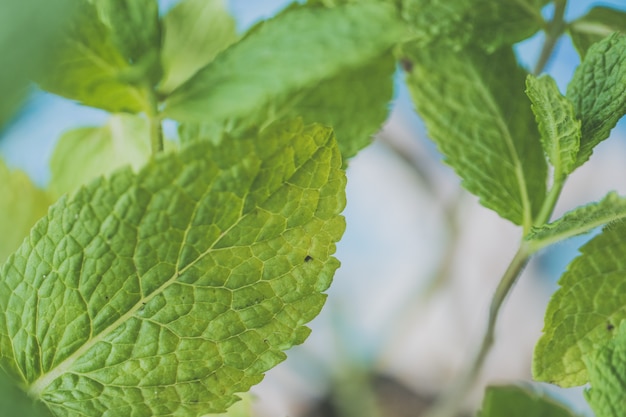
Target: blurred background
point(420, 259)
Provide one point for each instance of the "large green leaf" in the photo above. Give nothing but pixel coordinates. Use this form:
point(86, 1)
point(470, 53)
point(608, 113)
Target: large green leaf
point(475, 109)
point(487, 24)
point(578, 221)
point(165, 292)
point(598, 91)
point(85, 65)
point(272, 62)
point(86, 153)
point(607, 367)
point(15, 403)
point(559, 128)
point(21, 205)
point(513, 401)
point(583, 314)
point(599, 23)
point(195, 31)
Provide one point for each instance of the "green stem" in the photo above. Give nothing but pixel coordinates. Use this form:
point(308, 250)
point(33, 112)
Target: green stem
point(449, 404)
point(550, 201)
point(156, 129)
point(555, 29)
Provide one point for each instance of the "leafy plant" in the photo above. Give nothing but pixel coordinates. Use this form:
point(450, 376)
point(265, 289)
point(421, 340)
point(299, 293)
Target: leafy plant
point(170, 275)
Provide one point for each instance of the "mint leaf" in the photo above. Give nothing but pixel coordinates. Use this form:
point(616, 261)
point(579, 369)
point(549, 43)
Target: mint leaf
point(474, 108)
point(165, 292)
point(195, 31)
point(598, 91)
point(86, 153)
point(15, 402)
point(486, 24)
point(582, 315)
point(86, 66)
point(512, 401)
point(599, 23)
point(559, 128)
point(21, 205)
point(578, 221)
point(607, 367)
point(270, 62)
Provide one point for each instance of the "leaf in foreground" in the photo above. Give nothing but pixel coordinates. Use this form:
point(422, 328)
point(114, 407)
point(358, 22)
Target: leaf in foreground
point(596, 25)
point(607, 367)
point(598, 91)
point(559, 128)
point(578, 221)
point(270, 62)
point(585, 311)
point(21, 205)
point(15, 403)
point(165, 292)
point(513, 401)
point(474, 108)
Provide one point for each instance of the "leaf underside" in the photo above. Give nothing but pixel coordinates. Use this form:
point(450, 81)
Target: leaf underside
point(165, 292)
point(513, 401)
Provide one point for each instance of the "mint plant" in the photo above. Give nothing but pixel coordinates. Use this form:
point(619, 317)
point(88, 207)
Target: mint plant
point(168, 275)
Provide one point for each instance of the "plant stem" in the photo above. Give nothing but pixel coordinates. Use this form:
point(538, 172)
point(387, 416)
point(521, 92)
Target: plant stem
point(448, 405)
point(156, 129)
point(551, 199)
point(555, 29)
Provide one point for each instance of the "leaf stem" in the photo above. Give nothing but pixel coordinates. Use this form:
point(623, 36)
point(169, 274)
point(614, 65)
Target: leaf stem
point(550, 201)
point(555, 29)
point(156, 129)
point(448, 405)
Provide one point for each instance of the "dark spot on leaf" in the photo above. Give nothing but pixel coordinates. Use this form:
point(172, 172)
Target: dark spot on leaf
point(308, 258)
point(406, 65)
point(610, 326)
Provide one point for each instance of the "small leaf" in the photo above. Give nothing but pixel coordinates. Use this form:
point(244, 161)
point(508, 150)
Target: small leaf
point(85, 65)
point(559, 128)
point(598, 91)
point(474, 108)
point(578, 221)
point(584, 312)
point(486, 24)
point(15, 403)
point(21, 205)
point(270, 62)
point(512, 401)
point(166, 292)
point(195, 31)
point(86, 153)
point(596, 25)
point(607, 367)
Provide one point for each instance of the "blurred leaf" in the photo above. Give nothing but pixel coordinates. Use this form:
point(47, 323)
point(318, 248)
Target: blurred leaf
point(86, 153)
point(21, 205)
point(513, 401)
point(584, 312)
point(195, 31)
point(580, 220)
point(272, 62)
point(475, 109)
point(596, 25)
point(559, 128)
point(598, 91)
point(487, 24)
point(15, 403)
point(26, 29)
point(607, 367)
point(87, 66)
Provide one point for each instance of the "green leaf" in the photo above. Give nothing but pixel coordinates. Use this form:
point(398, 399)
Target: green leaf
point(135, 30)
point(486, 24)
point(559, 128)
point(599, 23)
point(270, 62)
point(85, 65)
point(355, 104)
point(21, 205)
point(583, 313)
point(578, 221)
point(86, 153)
point(15, 403)
point(598, 91)
point(607, 367)
point(474, 108)
point(165, 292)
point(195, 31)
point(512, 401)
point(26, 29)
